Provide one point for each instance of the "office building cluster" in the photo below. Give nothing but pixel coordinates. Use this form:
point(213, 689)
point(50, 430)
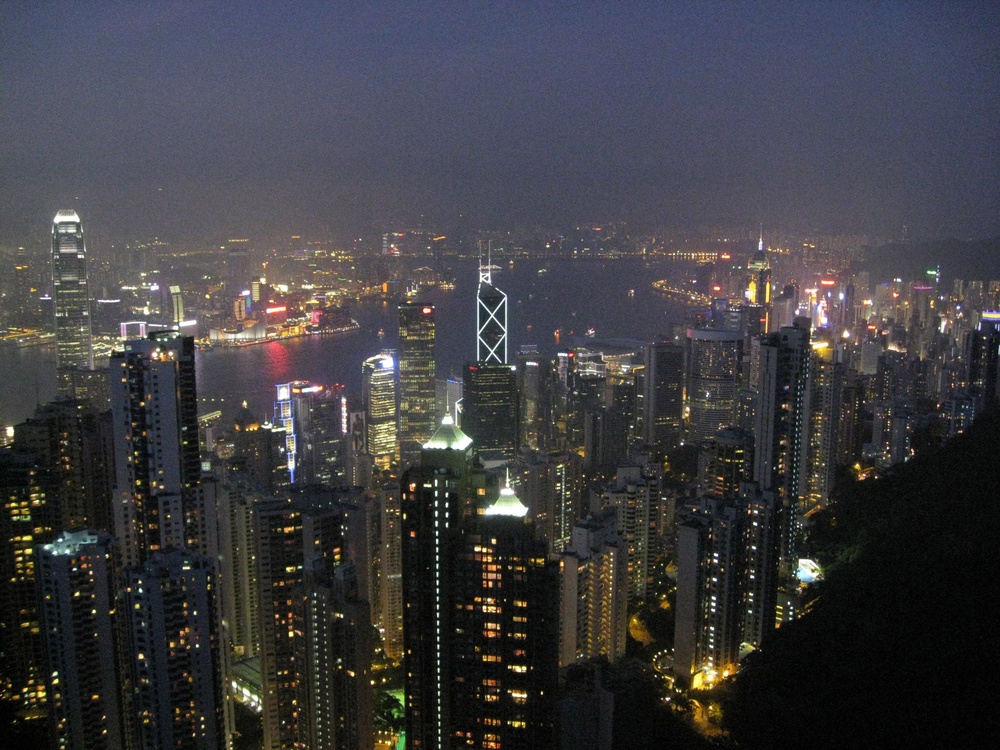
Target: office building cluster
point(488, 538)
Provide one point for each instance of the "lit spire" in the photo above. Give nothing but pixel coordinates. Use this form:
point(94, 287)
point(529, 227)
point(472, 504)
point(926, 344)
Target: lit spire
point(485, 272)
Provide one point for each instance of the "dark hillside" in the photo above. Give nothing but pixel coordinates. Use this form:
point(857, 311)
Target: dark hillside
point(901, 646)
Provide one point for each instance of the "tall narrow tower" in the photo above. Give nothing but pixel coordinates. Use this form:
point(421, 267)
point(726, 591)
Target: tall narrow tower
point(781, 423)
point(158, 467)
point(433, 496)
point(491, 319)
point(663, 396)
point(71, 295)
point(76, 607)
point(417, 397)
point(378, 386)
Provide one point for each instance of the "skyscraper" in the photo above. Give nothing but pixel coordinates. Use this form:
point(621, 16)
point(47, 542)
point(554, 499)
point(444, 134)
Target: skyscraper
point(71, 294)
point(176, 691)
point(417, 403)
point(76, 596)
point(378, 389)
point(534, 408)
point(72, 445)
point(781, 424)
point(489, 402)
point(25, 523)
point(313, 418)
point(434, 496)
point(713, 367)
point(333, 661)
point(826, 385)
point(503, 662)
point(491, 320)
point(663, 396)
point(632, 496)
point(710, 588)
point(158, 467)
point(290, 533)
point(594, 592)
point(725, 461)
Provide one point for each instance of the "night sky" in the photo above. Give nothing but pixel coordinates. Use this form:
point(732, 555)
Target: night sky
point(194, 121)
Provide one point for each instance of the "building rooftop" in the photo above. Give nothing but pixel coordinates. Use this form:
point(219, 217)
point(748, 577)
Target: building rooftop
point(507, 504)
point(448, 437)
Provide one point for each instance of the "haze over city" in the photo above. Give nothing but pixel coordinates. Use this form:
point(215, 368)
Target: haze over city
point(193, 121)
point(397, 376)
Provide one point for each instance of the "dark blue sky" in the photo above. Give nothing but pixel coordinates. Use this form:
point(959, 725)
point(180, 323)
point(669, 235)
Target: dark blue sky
point(197, 120)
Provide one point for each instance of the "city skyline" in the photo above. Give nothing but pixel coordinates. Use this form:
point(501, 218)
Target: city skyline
point(713, 416)
point(202, 121)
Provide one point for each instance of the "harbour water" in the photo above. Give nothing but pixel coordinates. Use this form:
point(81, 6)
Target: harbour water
point(611, 297)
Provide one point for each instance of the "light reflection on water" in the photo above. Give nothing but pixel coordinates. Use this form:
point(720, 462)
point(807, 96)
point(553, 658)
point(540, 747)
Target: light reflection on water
point(571, 296)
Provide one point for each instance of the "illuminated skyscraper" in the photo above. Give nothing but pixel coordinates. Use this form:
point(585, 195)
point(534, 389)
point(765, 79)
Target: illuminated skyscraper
point(378, 387)
point(333, 647)
point(503, 633)
point(491, 320)
point(534, 409)
point(826, 385)
point(758, 290)
point(724, 462)
point(76, 607)
point(176, 691)
point(290, 533)
point(417, 398)
point(781, 423)
point(632, 496)
point(594, 592)
point(314, 421)
point(176, 305)
point(25, 523)
point(70, 292)
point(154, 404)
point(479, 598)
point(434, 495)
point(710, 588)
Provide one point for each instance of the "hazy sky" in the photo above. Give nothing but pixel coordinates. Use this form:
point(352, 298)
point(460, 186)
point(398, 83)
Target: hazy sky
point(192, 119)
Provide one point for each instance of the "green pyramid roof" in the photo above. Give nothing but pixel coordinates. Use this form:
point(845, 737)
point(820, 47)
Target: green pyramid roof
point(448, 436)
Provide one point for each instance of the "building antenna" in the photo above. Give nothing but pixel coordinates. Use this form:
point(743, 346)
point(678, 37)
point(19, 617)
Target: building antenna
point(485, 276)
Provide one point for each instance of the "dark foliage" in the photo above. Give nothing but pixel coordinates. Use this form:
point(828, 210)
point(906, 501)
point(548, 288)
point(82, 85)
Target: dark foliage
point(900, 647)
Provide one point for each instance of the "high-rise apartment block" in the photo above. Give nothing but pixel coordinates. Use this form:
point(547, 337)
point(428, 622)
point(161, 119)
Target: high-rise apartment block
point(76, 596)
point(158, 466)
point(593, 610)
point(781, 425)
point(633, 495)
point(174, 697)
